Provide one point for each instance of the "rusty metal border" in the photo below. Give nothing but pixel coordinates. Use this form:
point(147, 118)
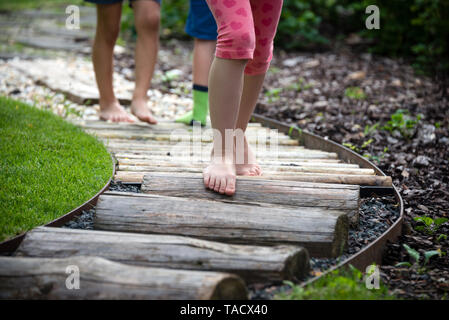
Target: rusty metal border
point(10, 245)
point(373, 252)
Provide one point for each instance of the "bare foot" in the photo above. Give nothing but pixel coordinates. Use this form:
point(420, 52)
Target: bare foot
point(140, 109)
point(220, 177)
point(114, 112)
point(249, 167)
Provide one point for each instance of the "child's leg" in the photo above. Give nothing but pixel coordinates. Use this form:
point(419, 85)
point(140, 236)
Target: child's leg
point(203, 54)
point(225, 89)
point(108, 26)
point(235, 46)
point(200, 25)
point(266, 17)
point(146, 17)
point(252, 86)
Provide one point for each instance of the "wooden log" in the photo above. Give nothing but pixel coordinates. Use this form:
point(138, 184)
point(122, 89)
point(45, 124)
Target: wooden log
point(197, 145)
point(252, 263)
point(257, 191)
point(161, 123)
point(167, 128)
point(168, 137)
point(137, 177)
point(198, 167)
point(266, 158)
point(323, 232)
point(45, 278)
point(205, 161)
point(179, 152)
point(362, 180)
point(192, 166)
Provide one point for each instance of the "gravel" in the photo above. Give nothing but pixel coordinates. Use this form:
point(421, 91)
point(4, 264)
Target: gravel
point(376, 214)
point(124, 187)
point(84, 221)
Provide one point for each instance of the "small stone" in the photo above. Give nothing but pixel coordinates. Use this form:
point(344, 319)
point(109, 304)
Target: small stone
point(421, 161)
point(358, 75)
point(320, 105)
point(292, 61)
point(311, 64)
point(396, 83)
point(405, 173)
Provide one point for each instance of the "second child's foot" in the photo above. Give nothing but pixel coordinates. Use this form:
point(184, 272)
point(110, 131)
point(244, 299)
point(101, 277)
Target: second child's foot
point(139, 108)
point(189, 120)
point(114, 112)
point(249, 167)
point(220, 177)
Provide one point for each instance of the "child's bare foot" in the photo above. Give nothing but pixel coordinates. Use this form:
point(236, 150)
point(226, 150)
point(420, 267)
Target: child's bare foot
point(114, 112)
point(249, 167)
point(220, 177)
point(140, 109)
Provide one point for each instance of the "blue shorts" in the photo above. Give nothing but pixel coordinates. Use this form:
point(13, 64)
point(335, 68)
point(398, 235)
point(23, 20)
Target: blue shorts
point(114, 1)
point(200, 21)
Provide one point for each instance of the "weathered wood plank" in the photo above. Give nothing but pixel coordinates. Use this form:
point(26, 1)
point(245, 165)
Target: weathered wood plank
point(264, 162)
point(167, 128)
point(322, 232)
point(198, 167)
point(45, 278)
point(160, 123)
point(252, 263)
point(168, 137)
point(137, 177)
point(260, 191)
point(266, 158)
point(186, 151)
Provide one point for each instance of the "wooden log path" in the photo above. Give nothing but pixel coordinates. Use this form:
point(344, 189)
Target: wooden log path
point(177, 240)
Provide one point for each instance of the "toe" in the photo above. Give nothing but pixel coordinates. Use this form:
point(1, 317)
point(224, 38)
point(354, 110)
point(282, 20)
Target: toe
point(152, 120)
point(222, 185)
point(217, 184)
point(230, 186)
point(206, 178)
point(212, 182)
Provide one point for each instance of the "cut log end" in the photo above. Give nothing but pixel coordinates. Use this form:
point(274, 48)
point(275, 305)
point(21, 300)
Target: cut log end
point(297, 265)
point(229, 288)
point(47, 278)
point(341, 235)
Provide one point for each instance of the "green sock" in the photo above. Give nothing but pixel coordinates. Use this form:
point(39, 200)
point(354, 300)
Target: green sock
point(200, 107)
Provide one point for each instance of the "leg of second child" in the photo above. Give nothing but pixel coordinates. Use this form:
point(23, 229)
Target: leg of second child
point(200, 25)
point(147, 20)
point(203, 54)
point(108, 27)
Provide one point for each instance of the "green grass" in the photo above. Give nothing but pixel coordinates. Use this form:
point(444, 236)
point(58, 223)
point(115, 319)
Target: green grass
point(47, 167)
point(355, 93)
point(338, 285)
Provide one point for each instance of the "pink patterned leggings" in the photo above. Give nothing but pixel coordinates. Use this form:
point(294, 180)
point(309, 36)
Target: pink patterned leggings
point(246, 29)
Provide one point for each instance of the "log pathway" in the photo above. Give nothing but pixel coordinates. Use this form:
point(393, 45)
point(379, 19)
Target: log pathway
point(177, 240)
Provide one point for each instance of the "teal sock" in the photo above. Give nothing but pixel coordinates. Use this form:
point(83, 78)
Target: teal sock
point(200, 107)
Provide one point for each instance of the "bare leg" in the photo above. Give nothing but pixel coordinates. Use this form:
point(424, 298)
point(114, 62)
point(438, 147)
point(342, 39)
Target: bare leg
point(225, 90)
point(252, 86)
point(203, 55)
point(147, 17)
point(108, 27)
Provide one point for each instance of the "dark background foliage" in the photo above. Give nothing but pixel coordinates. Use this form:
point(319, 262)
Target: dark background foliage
point(414, 29)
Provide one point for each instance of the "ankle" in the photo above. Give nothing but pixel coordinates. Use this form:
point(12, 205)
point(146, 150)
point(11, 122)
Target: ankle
point(138, 97)
point(106, 104)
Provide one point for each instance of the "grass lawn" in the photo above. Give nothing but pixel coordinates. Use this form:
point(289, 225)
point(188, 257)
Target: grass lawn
point(47, 167)
point(344, 284)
